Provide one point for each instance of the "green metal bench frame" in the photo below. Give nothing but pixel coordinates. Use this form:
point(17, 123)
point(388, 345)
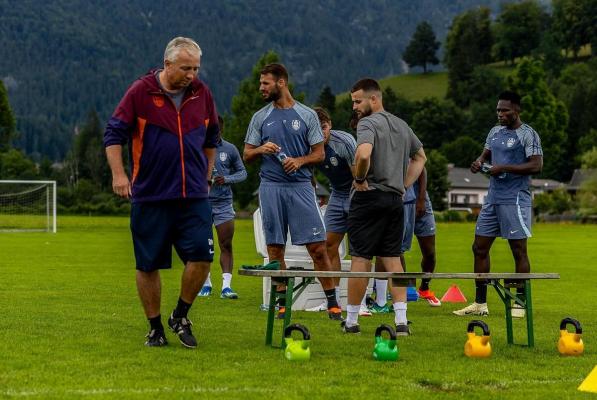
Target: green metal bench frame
point(502, 282)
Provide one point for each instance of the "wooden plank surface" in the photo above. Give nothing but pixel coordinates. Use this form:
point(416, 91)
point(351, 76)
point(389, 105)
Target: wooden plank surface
point(386, 275)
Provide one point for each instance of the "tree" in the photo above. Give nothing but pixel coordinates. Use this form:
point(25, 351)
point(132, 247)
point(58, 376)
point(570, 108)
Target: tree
point(484, 84)
point(90, 154)
point(541, 110)
point(422, 47)
point(468, 44)
point(244, 105)
point(437, 179)
point(462, 151)
point(7, 119)
point(437, 122)
point(327, 100)
point(577, 88)
point(589, 159)
point(15, 165)
point(518, 30)
point(398, 105)
point(587, 194)
point(574, 23)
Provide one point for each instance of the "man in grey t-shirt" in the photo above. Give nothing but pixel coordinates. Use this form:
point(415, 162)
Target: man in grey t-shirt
point(385, 144)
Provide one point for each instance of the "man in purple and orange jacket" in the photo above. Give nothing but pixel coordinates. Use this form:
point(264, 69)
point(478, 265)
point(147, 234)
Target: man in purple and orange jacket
point(168, 119)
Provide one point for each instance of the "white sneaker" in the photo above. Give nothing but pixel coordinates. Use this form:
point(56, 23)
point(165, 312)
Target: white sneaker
point(364, 311)
point(322, 307)
point(518, 311)
point(473, 309)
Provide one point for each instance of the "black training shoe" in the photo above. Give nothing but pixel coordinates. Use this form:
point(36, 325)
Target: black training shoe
point(156, 338)
point(182, 327)
point(402, 330)
point(335, 314)
point(355, 329)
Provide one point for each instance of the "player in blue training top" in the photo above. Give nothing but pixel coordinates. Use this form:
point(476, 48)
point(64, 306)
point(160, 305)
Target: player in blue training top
point(286, 136)
point(228, 169)
point(512, 153)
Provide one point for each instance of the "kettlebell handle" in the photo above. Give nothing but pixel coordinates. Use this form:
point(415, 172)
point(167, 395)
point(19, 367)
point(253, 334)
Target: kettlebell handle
point(297, 327)
point(387, 328)
point(480, 324)
point(572, 321)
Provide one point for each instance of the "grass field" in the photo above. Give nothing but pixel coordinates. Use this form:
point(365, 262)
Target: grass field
point(72, 327)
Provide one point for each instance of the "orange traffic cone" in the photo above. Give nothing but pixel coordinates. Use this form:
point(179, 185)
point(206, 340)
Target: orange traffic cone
point(453, 295)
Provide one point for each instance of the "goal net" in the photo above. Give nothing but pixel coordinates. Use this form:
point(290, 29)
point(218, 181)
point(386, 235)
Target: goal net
point(27, 206)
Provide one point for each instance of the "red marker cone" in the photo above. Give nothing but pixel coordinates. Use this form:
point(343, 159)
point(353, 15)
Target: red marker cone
point(453, 295)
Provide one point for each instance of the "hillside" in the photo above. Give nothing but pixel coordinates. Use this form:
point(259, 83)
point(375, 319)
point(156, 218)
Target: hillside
point(60, 59)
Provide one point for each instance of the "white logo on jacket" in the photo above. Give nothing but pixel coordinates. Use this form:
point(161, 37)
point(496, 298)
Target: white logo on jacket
point(296, 124)
point(223, 156)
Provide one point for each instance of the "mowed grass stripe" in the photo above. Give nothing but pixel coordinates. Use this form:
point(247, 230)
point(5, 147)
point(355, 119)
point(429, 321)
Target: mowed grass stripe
point(72, 326)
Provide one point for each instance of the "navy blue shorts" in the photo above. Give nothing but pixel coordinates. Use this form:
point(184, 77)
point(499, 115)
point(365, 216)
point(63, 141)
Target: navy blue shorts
point(184, 224)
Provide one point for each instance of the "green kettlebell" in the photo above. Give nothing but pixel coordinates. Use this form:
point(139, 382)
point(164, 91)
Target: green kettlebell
point(297, 350)
point(385, 349)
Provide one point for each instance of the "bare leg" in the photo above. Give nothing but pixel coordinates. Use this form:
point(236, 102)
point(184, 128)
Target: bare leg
point(225, 234)
point(481, 247)
point(332, 243)
point(358, 286)
point(193, 277)
point(392, 264)
point(318, 253)
point(275, 252)
point(427, 246)
point(521, 258)
point(149, 287)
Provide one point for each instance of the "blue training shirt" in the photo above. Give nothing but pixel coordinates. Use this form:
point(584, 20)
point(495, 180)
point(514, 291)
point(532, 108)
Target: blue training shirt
point(511, 147)
point(294, 129)
point(229, 165)
point(339, 157)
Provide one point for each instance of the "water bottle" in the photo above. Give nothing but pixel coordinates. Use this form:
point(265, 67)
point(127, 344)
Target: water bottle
point(486, 167)
point(214, 173)
point(281, 157)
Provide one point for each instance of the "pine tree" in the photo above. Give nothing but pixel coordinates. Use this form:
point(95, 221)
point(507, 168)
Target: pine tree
point(542, 111)
point(327, 100)
point(422, 47)
point(7, 120)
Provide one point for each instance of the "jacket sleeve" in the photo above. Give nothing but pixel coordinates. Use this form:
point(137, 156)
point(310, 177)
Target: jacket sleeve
point(240, 173)
point(121, 124)
point(212, 134)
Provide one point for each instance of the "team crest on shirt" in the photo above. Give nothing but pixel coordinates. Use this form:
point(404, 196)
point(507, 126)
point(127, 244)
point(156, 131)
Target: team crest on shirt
point(334, 161)
point(223, 156)
point(510, 142)
point(158, 101)
point(296, 124)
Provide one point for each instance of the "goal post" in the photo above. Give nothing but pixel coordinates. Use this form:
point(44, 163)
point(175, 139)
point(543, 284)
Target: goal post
point(27, 206)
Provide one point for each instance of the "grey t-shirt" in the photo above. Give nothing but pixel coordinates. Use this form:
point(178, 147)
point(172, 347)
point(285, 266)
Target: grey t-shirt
point(394, 143)
point(175, 96)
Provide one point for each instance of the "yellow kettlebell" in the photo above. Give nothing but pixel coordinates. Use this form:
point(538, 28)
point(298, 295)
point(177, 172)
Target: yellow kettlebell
point(570, 344)
point(477, 346)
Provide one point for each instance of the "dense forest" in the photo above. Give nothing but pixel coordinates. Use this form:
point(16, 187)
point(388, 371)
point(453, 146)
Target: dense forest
point(63, 58)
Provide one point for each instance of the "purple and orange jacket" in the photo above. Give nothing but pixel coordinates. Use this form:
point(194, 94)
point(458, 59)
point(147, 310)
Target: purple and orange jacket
point(165, 144)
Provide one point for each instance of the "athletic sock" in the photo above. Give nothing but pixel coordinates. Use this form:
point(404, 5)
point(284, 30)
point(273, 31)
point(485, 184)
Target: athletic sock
point(352, 314)
point(337, 290)
point(330, 296)
point(207, 280)
point(424, 285)
point(381, 287)
point(182, 309)
point(226, 280)
point(281, 302)
point(156, 323)
point(400, 310)
point(481, 292)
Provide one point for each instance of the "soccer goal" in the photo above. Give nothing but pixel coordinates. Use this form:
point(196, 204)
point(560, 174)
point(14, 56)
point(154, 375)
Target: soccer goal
point(28, 206)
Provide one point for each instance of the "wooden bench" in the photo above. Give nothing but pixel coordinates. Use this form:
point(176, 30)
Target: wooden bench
point(502, 282)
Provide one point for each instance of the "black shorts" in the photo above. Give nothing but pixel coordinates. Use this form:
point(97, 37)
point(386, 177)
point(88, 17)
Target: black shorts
point(184, 224)
point(375, 224)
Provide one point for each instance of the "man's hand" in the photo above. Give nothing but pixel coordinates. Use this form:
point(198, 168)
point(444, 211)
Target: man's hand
point(121, 186)
point(292, 165)
point(219, 180)
point(496, 170)
point(269, 148)
point(476, 166)
point(360, 187)
point(420, 207)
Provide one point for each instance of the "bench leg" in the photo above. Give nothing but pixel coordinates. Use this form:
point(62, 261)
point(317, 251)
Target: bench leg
point(507, 303)
point(529, 313)
point(271, 313)
point(288, 306)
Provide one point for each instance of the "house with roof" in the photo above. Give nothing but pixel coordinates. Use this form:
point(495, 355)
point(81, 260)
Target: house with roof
point(578, 177)
point(467, 190)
